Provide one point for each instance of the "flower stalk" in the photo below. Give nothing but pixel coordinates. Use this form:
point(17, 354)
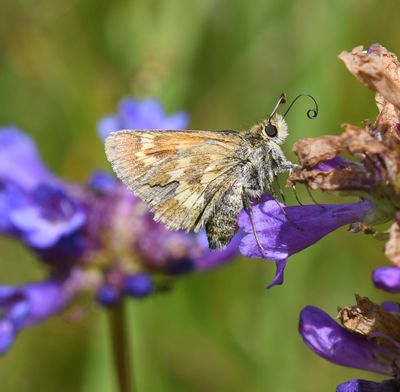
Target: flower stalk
point(120, 347)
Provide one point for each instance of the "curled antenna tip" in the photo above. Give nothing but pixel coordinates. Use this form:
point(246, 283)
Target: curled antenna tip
point(311, 113)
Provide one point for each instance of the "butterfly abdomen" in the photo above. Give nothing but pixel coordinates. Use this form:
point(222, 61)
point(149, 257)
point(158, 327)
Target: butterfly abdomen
point(222, 225)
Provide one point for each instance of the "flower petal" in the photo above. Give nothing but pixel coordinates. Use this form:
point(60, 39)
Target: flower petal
point(106, 125)
point(387, 278)
point(20, 161)
point(108, 295)
point(336, 163)
point(369, 386)
point(141, 114)
point(7, 335)
point(138, 286)
point(28, 305)
point(50, 215)
point(334, 343)
point(102, 182)
point(213, 258)
point(282, 237)
point(393, 307)
point(11, 197)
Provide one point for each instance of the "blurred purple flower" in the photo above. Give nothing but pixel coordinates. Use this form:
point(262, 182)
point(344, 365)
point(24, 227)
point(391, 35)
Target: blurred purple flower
point(333, 342)
point(28, 305)
point(17, 154)
point(138, 286)
point(98, 236)
point(144, 114)
point(282, 237)
point(387, 278)
point(33, 203)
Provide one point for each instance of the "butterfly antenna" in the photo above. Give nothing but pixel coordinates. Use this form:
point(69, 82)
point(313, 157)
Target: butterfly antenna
point(281, 101)
point(311, 113)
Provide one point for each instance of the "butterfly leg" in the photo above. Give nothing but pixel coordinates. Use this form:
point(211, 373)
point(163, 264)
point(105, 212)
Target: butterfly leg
point(283, 210)
point(280, 190)
point(249, 208)
point(312, 197)
point(296, 195)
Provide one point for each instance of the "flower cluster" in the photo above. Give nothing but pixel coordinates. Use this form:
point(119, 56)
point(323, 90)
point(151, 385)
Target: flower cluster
point(96, 238)
point(369, 336)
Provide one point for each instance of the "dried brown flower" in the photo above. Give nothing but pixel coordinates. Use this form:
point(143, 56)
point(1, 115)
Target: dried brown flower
point(370, 320)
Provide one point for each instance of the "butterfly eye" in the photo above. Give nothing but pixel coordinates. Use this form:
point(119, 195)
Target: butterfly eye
point(270, 130)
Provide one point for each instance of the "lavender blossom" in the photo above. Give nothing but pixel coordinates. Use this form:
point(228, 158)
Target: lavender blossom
point(96, 237)
point(283, 236)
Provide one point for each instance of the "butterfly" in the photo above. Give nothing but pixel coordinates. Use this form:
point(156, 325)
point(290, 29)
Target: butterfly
point(201, 179)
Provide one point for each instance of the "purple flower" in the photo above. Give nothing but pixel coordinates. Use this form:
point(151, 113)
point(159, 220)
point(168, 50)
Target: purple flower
point(336, 163)
point(369, 386)
point(392, 307)
point(28, 305)
point(138, 286)
point(96, 237)
point(333, 342)
point(17, 154)
point(145, 114)
point(387, 278)
point(33, 203)
point(49, 215)
point(108, 295)
point(282, 237)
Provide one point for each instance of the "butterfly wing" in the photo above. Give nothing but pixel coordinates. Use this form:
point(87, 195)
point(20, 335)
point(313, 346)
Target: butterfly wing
point(181, 175)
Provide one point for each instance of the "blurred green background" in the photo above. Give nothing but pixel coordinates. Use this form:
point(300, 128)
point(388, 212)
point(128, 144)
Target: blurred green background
point(65, 63)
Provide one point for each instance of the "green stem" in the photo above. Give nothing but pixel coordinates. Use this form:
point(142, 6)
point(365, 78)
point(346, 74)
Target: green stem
point(120, 346)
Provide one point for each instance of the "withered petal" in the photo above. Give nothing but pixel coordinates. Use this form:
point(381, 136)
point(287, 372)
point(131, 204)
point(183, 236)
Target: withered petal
point(350, 179)
point(311, 151)
point(378, 69)
point(357, 140)
point(370, 320)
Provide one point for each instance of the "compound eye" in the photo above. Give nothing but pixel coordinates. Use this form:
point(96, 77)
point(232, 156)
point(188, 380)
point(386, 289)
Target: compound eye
point(270, 130)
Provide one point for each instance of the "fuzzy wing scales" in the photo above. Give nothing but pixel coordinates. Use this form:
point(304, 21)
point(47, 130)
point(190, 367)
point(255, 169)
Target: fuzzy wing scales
point(181, 175)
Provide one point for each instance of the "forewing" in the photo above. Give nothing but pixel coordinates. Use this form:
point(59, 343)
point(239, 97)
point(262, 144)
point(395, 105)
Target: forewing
point(181, 175)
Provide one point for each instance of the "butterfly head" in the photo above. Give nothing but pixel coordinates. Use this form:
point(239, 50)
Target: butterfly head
point(274, 128)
